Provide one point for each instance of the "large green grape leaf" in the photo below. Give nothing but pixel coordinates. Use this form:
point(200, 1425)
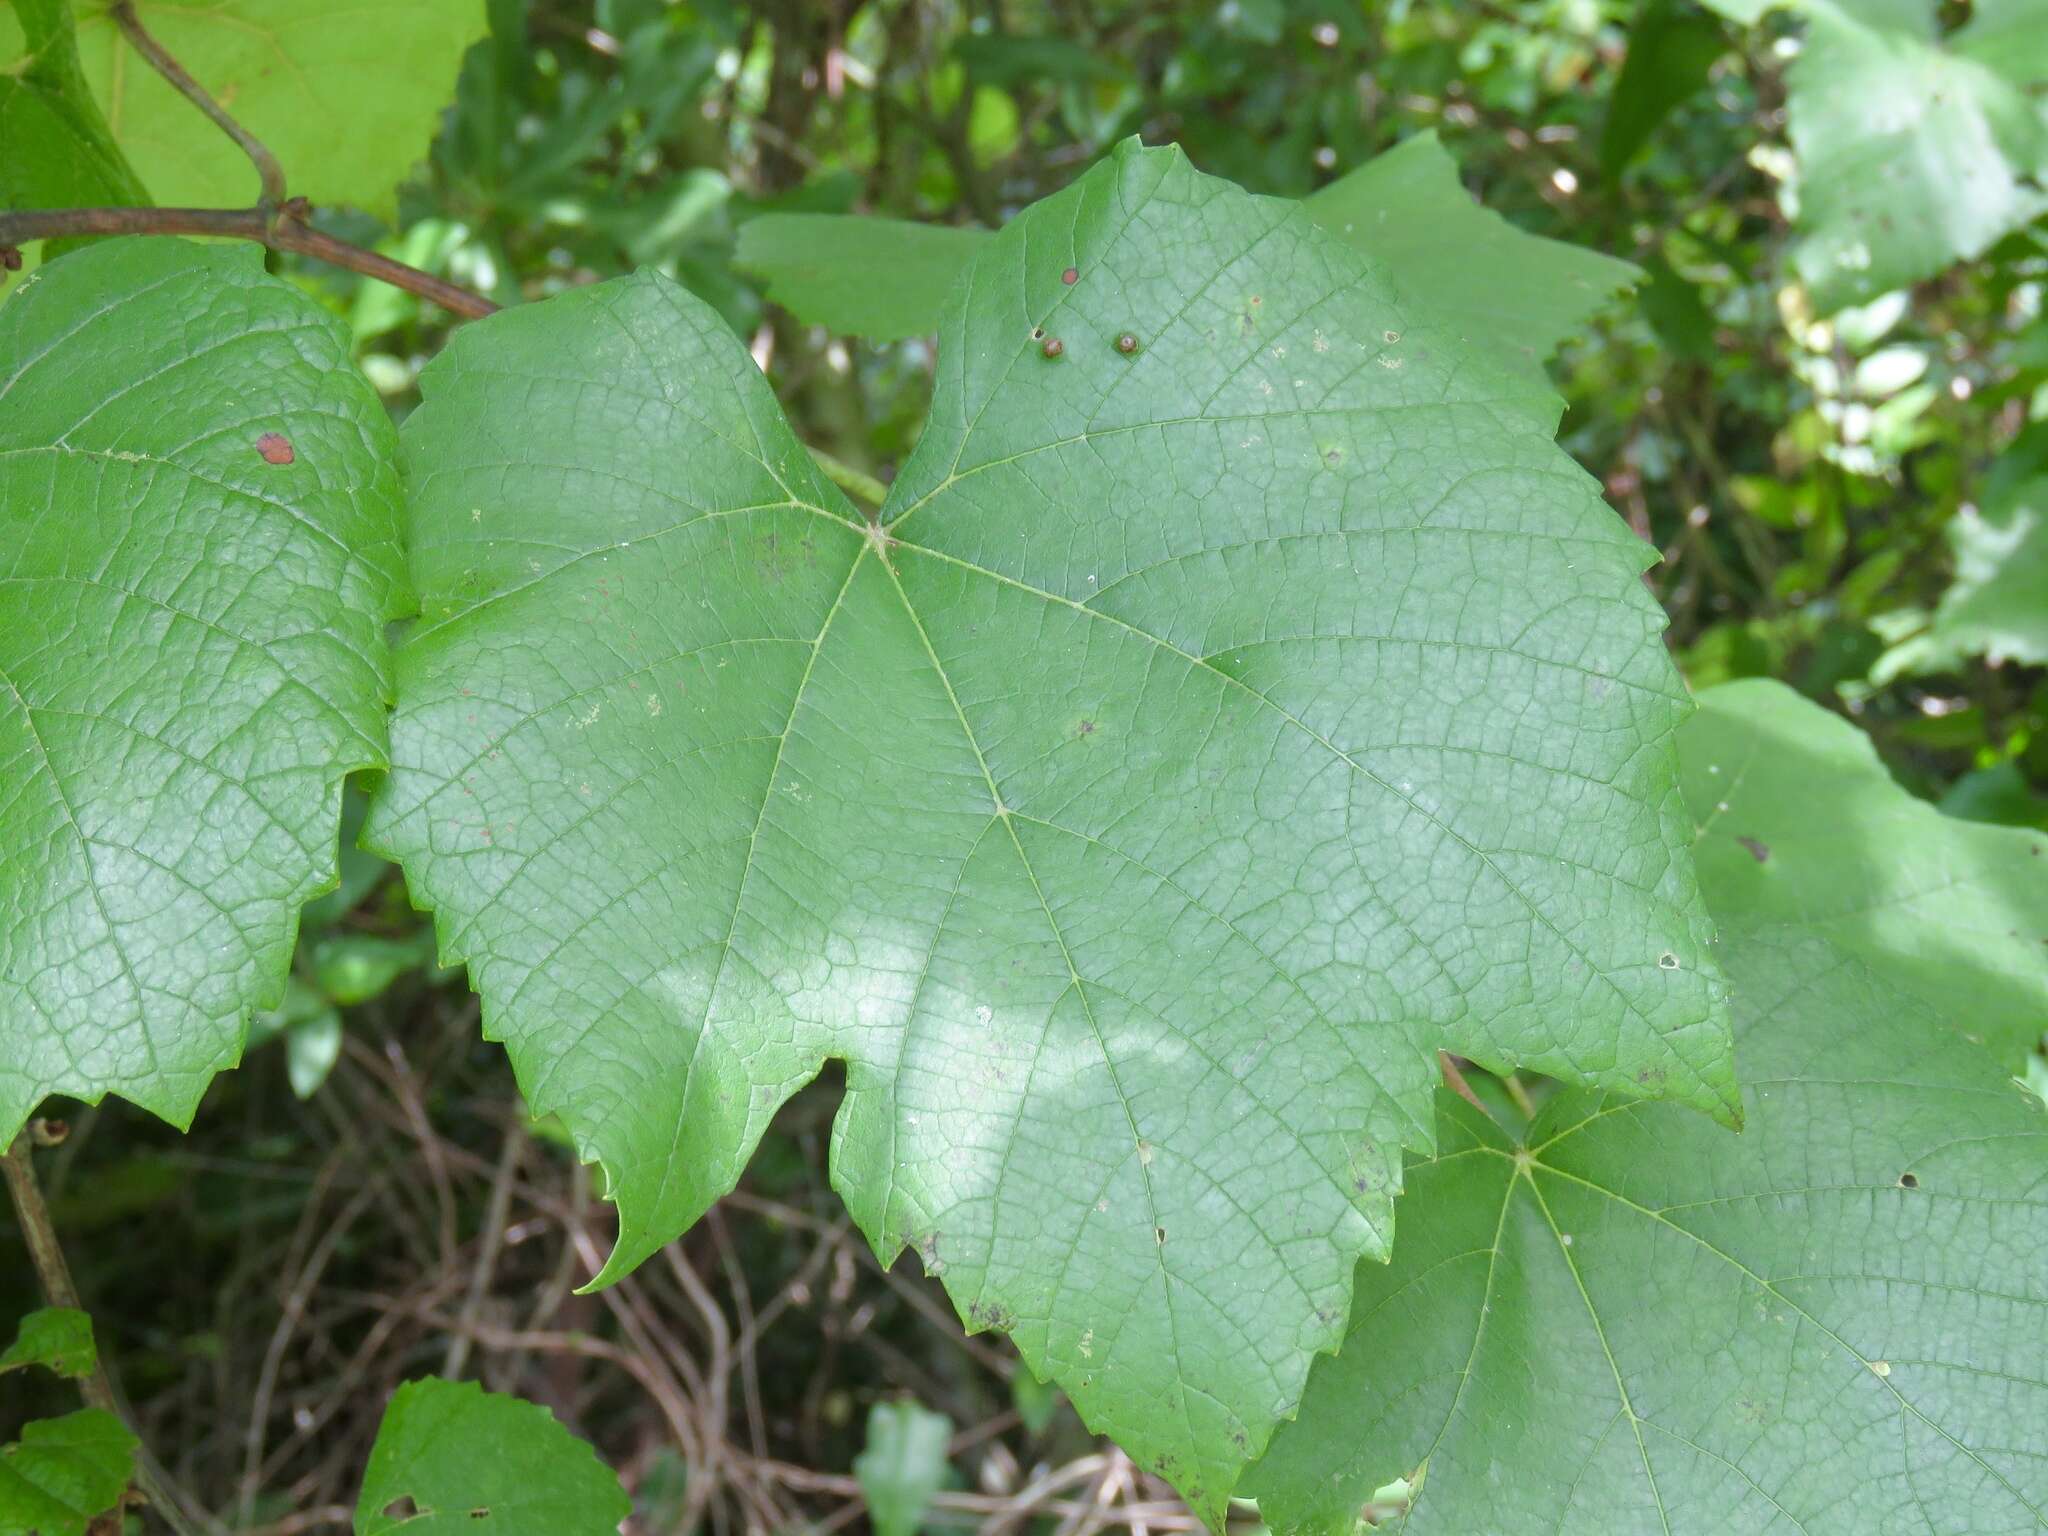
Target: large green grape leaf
point(1208, 733)
point(1452, 263)
point(1836, 1322)
point(64, 1472)
point(191, 656)
point(1799, 822)
point(1514, 294)
point(1912, 154)
point(451, 1459)
point(346, 96)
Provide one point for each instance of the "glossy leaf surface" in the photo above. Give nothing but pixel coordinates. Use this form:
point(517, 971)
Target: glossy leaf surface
point(64, 1473)
point(191, 656)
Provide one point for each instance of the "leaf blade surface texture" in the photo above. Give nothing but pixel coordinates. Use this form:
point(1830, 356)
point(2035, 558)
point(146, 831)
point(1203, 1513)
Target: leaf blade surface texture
point(192, 656)
point(1206, 732)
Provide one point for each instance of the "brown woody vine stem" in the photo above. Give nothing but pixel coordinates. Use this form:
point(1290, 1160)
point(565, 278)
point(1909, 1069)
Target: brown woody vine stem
point(54, 1275)
point(285, 229)
point(278, 221)
point(268, 171)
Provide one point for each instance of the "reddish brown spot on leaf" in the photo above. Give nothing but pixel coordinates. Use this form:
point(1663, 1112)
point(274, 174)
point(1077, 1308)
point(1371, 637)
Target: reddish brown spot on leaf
point(1758, 849)
point(276, 448)
point(1053, 346)
point(1071, 276)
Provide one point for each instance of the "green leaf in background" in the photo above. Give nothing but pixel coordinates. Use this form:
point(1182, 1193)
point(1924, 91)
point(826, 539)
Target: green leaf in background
point(63, 1473)
point(1037, 1402)
point(1672, 48)
point(1834, 1323)
point(199, 516)
point(310, 1027)
point(1509, 295)
point(454, 1460)
point(352, 968)
point(346, 97)
point(1799, 822)
point(1210, 730)
point(880, 278)
point(902, 1465)
point(1997, 606)
point(2010, 36)
point(58, 151)
point(2000, 795)
point(58, 1338)
point(1911, 154)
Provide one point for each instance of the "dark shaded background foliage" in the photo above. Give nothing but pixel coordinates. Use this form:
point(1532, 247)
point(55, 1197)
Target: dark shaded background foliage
point(262, 1283)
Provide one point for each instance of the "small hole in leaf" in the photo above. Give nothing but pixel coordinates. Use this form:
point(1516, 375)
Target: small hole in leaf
point(401, 1508)
point(1667, 961)
point(481, 1512)
point(1909, 1181)
point(1159, 1235)
point(1038, 333)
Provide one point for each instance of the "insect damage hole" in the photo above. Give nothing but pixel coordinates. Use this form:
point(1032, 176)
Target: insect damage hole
point(1667, 961)
point(1909, 1181)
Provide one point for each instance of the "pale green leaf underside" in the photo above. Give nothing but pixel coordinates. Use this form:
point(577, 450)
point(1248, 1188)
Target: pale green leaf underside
point(1799, 822)
point(63, 1472)
point(1836, 1322)
point(1218, 730)
point(191, 657)
point(474, 1461)
point(347, 97)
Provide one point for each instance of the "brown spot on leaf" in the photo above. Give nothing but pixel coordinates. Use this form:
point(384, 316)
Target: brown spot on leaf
point(1758, 848)
point(276, 448)
point(1071, 276)
point(1127, 344)
point(1053, 347)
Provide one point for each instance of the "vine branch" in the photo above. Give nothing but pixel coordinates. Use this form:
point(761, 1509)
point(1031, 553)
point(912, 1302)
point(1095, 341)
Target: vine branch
point(268, 171)
point(285, 229)
point(278, 222)
point(54, 1275)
